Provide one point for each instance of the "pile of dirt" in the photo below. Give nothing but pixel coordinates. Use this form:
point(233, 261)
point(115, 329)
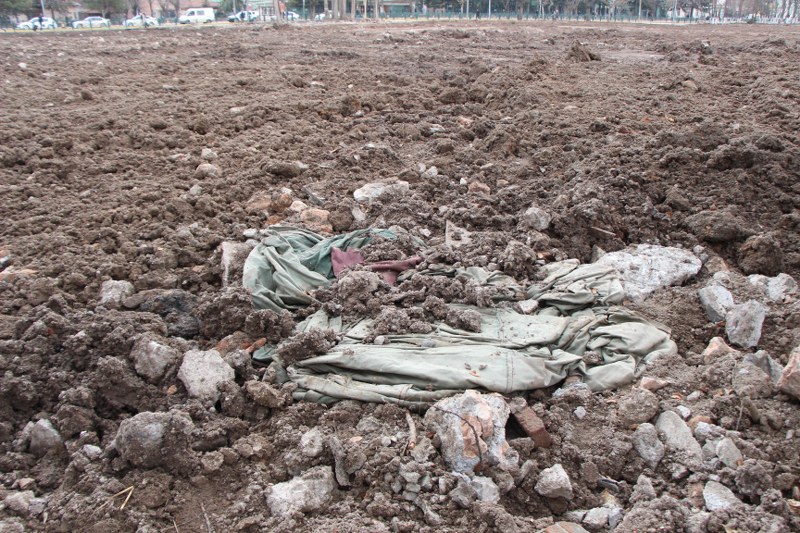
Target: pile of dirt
point(137, 169)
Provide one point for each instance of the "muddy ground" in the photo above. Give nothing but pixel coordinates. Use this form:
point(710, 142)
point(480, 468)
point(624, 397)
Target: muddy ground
point(677, 136)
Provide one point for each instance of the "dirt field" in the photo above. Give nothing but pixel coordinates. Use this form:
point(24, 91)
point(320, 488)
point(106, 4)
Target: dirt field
point(684, 136)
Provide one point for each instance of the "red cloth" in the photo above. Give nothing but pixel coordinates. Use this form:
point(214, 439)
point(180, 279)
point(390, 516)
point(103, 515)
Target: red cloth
point(388, 270)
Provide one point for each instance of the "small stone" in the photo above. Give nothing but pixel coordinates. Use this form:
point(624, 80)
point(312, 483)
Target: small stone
point(149, 439)
point(751, 381)
point(694, 396)
point(643, 490)
point(679, 439)
point(717, 349)
point(284, 169)
point(464, 493)
point(781, 286)
point(379, 340)
point(307, 493)
point(596, 518)
point(579, 412)
point(207, 170)
point(645, 441)
point(790, 378)
point(152, 358)
point(212, 461)
point(728, 453)
point(485, 489)
point(743, 323)
point(312, 442)
point(92, 452)
point(615, 517)
point(431, 173)
point(717, 496)
point(479, 187)
point(705, 431)
point(195, 190)
point(554, 482)
point(19, 502)
point(202, 371)
point(766, 363)
point(653, 384)
point(316, 220)
point(113, 292)
point(684, 411)
point(536, 218)
point(716, 301)
point(526, 307)
point(44, 438)
point(208, 154)
point(638, 406)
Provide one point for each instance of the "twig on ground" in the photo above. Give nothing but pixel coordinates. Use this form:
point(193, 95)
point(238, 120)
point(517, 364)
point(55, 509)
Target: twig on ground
point(111, 498)
point(412, 433)
point(175, 525)
point(208, 522)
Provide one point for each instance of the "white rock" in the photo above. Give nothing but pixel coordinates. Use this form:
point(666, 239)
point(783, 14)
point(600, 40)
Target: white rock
point(152, 359)
point(44, 437)
point(718, 496)
point(202, 372)
point(728, 453)
point(372, 191)
point(92, 452)
point(646, 268)
point(19, 502)
point(486, 489)
point(779, 287)
point(207, 170)
point(597, 518)
point(312, 443)
point(309, 492)
point(488, 414)
point(113, 292)
point(536, 218)
point(208, 154)
point(743, 323)
point(579, 412)
point(679, 440)
point(432, 172)
point(554, 483)
point(716, 301)
point(649, 448)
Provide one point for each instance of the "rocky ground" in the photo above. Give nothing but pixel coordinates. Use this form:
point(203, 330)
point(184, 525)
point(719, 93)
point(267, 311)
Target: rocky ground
point(135, 166)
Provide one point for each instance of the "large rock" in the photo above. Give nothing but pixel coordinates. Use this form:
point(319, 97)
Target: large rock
point(44, 438)
point(307, 493)
point(743, 323)
point(717, 496)
point(19, 502)
point(790, 379)
point(762, 360)
point(113, 293)
point(554, 482)
point(150, 439)
point(471, 428)
point(761, 254)
point(646, 268)
point(649, 448)
point(716, 301)
point(202, 372)
point(679, 440)
point(152, 358)
point(372, 191)
point(750, 380)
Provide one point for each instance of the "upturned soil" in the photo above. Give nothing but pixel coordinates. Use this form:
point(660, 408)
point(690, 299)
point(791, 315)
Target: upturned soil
point(625, 134)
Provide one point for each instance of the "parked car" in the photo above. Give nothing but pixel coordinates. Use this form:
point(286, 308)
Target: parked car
point(320, 17)
point(198, 15)
point(92, 22)
point(243, 16)
point(139, 20)
point(290, 16)
point(47, 23)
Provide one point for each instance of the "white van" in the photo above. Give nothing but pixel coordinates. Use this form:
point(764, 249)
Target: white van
point(197, 15)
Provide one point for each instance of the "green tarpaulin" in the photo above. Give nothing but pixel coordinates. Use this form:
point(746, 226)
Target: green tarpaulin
point(578, 330)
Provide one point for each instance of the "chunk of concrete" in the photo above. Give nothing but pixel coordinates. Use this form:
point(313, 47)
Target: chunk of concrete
point(44, 438)
point(150, 439)
point(202, 372)
point(152, 358)
point(372, 191)
point(743, 323)
point(646, 268)
point(790, 379)
point(554, 482)
point(679, 440)
point(717, 496)
point(645, 441)
point(716, 301)
point(114, 292)
point(311, 491)
point(471, 428)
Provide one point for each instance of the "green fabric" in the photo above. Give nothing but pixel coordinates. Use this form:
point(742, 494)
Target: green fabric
point(512, 352)
point(290, 262)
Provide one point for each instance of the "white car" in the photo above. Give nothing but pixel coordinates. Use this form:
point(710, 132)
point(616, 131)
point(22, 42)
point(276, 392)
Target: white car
point(320, 17)
point(198, 15)
point(243, 16)
point(139, 20)
point(92, 22)
point(289, 16)
point(46, 23)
